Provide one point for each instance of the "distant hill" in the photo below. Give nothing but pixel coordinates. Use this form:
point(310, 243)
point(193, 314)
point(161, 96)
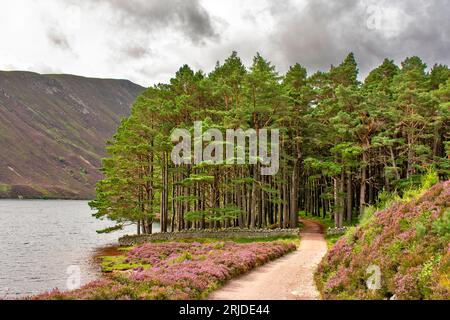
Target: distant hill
point(53, 130)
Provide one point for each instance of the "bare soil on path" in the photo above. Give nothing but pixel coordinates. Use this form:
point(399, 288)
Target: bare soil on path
point(287, 278)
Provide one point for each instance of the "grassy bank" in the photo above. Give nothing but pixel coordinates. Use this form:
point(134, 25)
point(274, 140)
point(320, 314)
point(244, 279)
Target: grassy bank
point(407, 240)
point(175, 270)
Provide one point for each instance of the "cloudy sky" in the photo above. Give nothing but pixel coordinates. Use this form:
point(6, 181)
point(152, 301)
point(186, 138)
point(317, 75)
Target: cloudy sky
point(146, 41)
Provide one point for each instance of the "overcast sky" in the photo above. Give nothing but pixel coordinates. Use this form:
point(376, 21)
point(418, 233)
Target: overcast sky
point(146, 41)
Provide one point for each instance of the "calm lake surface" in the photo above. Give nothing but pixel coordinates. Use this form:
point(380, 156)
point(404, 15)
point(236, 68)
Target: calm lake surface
point(41, 239)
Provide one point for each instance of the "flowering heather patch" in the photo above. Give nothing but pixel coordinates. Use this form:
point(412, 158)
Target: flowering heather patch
point(173, 270)
point(409, 242)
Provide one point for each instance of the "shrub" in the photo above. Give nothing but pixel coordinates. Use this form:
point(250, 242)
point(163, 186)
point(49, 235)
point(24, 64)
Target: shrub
point(408, 241)
point(173, 270)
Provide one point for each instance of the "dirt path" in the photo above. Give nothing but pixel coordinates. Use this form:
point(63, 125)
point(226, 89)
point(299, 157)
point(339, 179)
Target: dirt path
point(287, 278)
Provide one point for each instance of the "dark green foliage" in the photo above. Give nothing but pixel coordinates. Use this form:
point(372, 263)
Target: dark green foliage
point(342, 144)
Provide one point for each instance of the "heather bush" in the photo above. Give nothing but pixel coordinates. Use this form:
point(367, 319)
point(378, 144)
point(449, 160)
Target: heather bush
point(173, 270)
point(408, 241)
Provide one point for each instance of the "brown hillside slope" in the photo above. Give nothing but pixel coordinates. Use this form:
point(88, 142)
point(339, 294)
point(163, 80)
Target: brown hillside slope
point(53, 130)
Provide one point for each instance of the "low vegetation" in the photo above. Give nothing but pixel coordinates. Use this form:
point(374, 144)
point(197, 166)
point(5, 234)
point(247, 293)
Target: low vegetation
point(174, 270)
point(4, 188)
point(408, 240)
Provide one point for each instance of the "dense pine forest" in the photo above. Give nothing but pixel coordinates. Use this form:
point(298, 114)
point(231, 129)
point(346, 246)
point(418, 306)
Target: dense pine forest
point(343, 143)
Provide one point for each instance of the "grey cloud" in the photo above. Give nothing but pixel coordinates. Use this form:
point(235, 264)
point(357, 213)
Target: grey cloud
point(315, 33)
point(323, 32)
point(189, 17)
point(136, 51)
point(58, 39)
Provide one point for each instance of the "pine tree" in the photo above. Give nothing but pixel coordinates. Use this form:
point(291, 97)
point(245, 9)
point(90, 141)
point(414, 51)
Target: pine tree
point(342, 143)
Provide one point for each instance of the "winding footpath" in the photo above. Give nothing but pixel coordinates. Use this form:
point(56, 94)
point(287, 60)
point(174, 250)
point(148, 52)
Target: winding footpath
point(287, 278)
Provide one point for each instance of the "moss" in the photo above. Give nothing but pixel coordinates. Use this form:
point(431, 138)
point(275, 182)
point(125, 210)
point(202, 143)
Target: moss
point(119, 263)
point(183, 257)
point(332, 239)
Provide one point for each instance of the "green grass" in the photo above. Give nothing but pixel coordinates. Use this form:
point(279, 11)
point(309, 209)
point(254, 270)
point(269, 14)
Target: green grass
point(183, 257)
point(119, 263)
point(124, 249)
point(83, 174)
point(332, 239)
point(5, 188)
point(266, 239)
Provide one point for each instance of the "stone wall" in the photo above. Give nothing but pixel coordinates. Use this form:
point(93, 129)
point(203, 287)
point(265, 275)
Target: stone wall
point(214, 234)
point(336, 231)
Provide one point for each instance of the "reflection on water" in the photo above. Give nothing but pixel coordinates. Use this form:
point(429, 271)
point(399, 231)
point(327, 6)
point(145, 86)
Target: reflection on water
point(40, 239)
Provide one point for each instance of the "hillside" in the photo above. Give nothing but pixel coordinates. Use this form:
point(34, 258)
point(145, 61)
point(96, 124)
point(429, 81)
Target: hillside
point(408, 242)
point(53, 130)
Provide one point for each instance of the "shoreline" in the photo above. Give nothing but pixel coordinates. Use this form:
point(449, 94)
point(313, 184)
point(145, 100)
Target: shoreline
point(173, 270)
